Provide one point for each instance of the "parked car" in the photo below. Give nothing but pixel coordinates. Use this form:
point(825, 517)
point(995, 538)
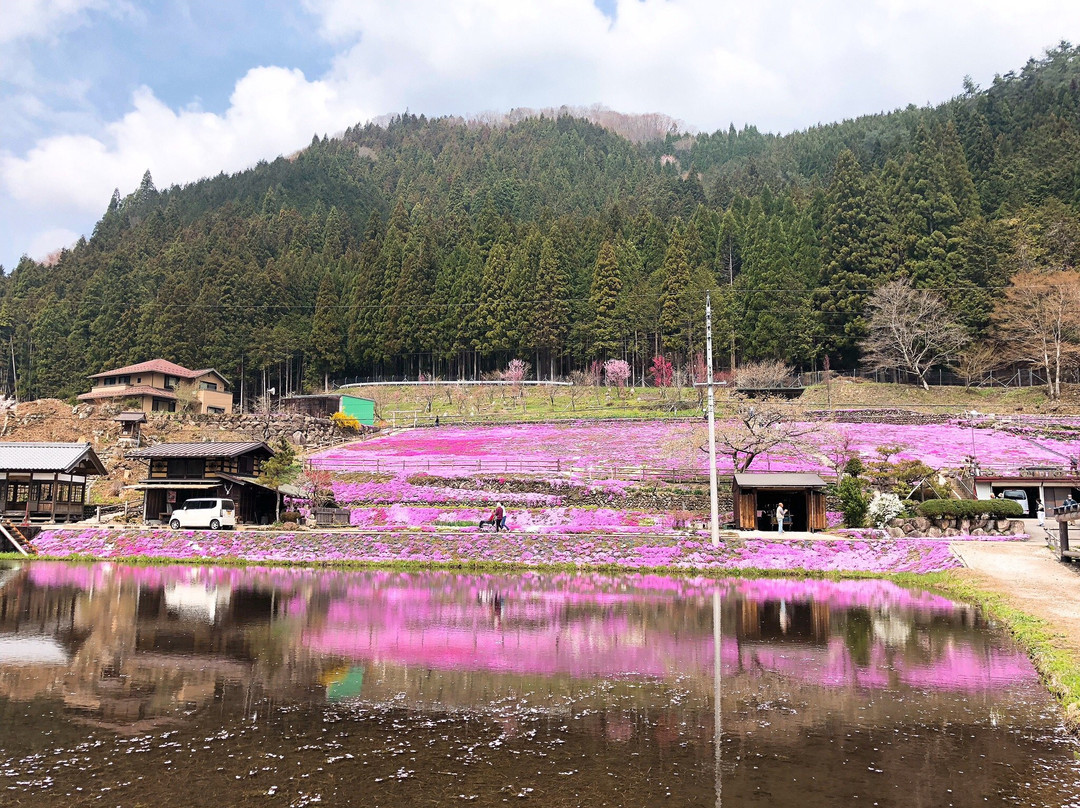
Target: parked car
point(1018, 496)
point(212, 513)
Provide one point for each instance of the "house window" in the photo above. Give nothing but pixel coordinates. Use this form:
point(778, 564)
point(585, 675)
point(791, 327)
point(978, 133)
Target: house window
point(186, 468)
point(207, 385)
point(171, 382)
point(163, 405)
point(78, 492)
point(246, 466)
point(215, 410)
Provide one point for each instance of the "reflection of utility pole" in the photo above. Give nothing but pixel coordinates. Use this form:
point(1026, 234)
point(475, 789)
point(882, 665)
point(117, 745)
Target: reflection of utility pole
point(714, 507)
point(718, 719)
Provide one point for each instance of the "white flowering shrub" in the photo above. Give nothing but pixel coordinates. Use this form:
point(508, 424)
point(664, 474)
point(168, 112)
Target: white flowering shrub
point(883, 509)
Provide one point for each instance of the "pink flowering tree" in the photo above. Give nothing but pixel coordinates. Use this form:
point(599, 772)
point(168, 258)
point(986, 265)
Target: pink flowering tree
point(662, 372)
point(617, 373)
point(515, 373)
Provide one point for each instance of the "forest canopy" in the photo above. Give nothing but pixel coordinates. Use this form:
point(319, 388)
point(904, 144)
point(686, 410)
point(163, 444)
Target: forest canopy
point(447, 248)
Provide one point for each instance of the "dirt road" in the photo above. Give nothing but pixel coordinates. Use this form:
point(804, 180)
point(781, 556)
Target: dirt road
point(1031, 579)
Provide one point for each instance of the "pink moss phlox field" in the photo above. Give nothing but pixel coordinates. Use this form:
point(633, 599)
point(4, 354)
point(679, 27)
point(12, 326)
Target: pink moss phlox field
point(572, 520)
point(628, 551)
point(461, 451)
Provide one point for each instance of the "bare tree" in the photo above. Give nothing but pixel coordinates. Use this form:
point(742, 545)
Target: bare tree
point(910, 329)
point(976, 360)
point(1038, 322)
point(578, 382)
point(838, 447)
point(760, 426)
point(763, 375)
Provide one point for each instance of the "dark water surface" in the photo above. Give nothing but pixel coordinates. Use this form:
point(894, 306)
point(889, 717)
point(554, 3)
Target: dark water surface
point(202, 686)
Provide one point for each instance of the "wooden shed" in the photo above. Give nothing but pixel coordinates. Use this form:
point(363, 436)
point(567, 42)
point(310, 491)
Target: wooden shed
point(755, 496)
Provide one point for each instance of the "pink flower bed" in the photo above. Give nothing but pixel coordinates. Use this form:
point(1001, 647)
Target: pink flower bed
point(572, 520)
point(461, 451)
point(881, 556)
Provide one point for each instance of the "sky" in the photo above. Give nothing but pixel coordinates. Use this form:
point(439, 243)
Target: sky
point(95, 92)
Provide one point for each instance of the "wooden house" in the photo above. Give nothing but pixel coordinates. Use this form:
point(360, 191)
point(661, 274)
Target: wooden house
point(181, 471)
point(755, 496)
point(46, 481)
point(157, 386)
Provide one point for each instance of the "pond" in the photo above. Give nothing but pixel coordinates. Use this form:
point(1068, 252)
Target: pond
point(211, 686)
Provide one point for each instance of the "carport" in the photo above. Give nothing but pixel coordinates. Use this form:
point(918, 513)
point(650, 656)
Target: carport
point(755, 496)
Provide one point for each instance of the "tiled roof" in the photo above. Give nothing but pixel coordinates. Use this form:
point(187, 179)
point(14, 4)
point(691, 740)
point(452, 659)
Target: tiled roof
point(124, 392)
point(157, 366)
point(63, 457)
point(200, 449)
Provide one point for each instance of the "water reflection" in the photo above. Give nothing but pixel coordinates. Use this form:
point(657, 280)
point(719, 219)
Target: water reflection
point(829, 689)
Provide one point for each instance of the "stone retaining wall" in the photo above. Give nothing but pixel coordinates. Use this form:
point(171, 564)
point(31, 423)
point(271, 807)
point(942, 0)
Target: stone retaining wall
point(954, 526)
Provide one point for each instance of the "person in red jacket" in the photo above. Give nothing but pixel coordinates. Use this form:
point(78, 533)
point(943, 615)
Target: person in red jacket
point(500, 517)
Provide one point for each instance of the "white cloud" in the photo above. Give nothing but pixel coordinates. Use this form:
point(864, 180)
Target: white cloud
point(49, 241)
point(778, 64)
point(272, 111)
point(42, 19)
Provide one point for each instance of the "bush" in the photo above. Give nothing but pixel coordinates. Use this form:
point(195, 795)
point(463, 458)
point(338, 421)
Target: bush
point(290, 516)
point(853, 501)
point(884, 508)
point(966, 508)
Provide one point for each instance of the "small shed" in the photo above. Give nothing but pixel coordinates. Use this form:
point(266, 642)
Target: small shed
point(755, 496)
point(324, 405)
point(130, 428)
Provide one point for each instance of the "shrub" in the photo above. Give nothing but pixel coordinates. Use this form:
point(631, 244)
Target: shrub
point(343, 421)
point(290, 516)
point(884, 508)
point(964, 508)
point(853, 501)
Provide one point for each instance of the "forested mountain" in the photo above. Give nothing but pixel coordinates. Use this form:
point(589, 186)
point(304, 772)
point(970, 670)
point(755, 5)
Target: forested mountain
point(445, 247)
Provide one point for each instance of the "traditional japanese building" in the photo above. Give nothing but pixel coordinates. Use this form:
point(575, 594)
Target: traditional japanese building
point(46, 481)
point(182, 471)
point(756, 495)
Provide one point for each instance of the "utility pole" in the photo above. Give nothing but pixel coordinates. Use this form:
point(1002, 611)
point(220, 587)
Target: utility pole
point(714, 506)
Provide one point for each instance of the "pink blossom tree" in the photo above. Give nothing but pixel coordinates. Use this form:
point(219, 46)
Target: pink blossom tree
point(617, 372)
point(662, 371)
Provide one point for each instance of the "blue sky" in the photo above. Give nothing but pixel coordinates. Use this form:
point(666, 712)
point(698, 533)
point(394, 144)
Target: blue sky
point(94, 92)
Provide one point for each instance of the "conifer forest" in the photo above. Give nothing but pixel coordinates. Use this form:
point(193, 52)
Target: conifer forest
point(447, 247)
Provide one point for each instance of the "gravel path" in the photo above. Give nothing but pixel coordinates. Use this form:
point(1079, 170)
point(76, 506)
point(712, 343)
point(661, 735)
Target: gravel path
point(1031, 578)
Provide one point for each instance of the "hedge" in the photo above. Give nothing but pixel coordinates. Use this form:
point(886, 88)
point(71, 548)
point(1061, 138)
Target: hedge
point(964, 508)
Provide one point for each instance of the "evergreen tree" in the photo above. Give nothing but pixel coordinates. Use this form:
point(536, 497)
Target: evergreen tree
point(603, 300)
point(326, 341)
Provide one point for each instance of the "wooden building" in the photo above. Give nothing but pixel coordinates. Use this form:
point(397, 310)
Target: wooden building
point(182, 471)
point(46, 481)
point(755, 496)
point(130, 428)
point(324, 405)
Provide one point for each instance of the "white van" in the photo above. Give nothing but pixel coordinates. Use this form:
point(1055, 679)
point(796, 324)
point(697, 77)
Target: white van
point(1018, 496)
point(212, 513)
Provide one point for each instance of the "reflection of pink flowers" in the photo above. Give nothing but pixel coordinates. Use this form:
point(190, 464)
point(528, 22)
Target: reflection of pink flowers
point(595, 624)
